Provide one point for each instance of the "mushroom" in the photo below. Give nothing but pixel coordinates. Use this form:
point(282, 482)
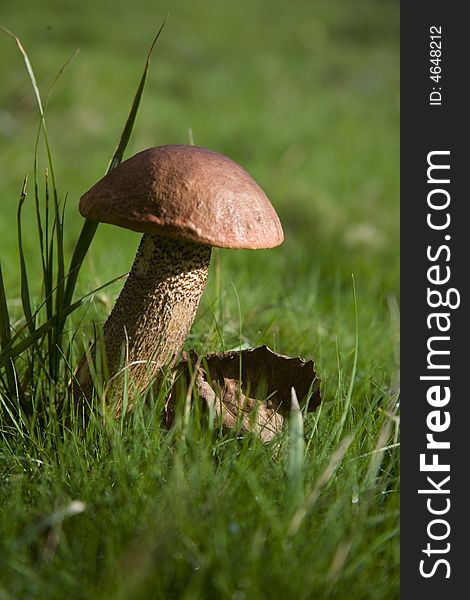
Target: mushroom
point(184, 199)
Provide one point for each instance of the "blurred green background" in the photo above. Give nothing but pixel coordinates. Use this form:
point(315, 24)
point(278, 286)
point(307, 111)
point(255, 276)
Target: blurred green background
point(304, 95)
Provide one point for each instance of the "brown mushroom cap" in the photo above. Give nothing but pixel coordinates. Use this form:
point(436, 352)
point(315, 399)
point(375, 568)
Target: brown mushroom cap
point(188, 193)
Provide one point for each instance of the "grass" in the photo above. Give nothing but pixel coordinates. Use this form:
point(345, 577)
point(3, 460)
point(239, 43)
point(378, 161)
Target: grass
point(306, 98)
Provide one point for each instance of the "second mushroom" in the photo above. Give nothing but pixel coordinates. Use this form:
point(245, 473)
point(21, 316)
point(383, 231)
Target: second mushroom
point(184, 199)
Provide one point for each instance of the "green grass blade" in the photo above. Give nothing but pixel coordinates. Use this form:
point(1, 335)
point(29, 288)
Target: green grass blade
point(5, 338)
point(322, 481)
point(39, 220)
point(59, 231)
point(36, 187)
point(5, 333)
point(12, 415)
point(126, 134)
point(59, 74)
point(32, 78)
point(89, 227)
point(81, 248)
point(55, 337)
point(49, 245)
point(347, 403)
point(28, 67)
point(296, 456)
point(49, 277)
point(25, 296)
point(60, 288)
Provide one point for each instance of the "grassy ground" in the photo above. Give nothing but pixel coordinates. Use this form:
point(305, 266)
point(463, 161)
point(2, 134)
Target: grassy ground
point(305, 96)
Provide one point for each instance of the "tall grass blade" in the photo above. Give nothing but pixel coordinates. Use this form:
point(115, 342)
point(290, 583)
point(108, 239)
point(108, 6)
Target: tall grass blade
point(28, 66)
point(128, 127)
point(39, 218)
point(81, 248)
point(55, 337)
point(5, 333)
point(32, 78)
point(347, 404)
point(59, 231)
point(378, 454)
point(5, 337)
point(60, 287)
point(89, 227)
point(49, 245)
point(25, 296)
point(60, 274)
point(59, 74)
point(296, 457)
point(36, 151)
point(12, 415)
point(49, 274)
point(46, 260)
point(321, 482)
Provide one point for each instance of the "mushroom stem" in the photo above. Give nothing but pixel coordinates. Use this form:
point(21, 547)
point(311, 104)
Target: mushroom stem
point(152, 317)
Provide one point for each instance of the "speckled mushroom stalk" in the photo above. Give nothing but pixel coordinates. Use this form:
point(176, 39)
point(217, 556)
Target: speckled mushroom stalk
point(153, 314)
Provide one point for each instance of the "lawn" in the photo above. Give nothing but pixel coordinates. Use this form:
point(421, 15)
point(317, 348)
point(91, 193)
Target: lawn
point(305, 96)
